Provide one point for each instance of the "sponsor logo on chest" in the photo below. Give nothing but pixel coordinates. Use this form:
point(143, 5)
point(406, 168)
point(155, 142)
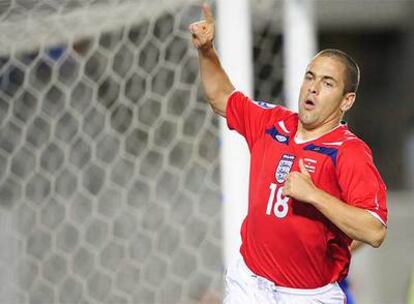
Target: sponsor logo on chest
point(280, 138)
point(284, 167)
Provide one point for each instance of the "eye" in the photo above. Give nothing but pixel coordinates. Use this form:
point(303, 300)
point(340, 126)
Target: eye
point(328, 84)
point(308, 77)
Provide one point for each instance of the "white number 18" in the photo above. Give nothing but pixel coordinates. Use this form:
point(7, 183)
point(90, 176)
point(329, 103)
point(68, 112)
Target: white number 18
point(281, 207)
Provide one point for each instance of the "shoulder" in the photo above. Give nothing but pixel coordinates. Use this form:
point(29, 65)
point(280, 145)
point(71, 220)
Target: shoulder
point(238, 99)
point(352, 143)
point(345, 147)
point(353, 149)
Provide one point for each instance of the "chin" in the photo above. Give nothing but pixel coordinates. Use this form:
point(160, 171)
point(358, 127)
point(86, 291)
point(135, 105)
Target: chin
point(307, 120)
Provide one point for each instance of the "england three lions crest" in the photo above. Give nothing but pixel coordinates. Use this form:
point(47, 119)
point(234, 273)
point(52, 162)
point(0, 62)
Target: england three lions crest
point(284, 167)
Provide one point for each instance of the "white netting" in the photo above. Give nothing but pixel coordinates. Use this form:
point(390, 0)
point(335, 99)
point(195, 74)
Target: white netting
point(27, 24)
point(267, 50)
point(109, 183)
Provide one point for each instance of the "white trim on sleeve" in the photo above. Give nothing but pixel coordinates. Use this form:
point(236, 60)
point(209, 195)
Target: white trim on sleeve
point(374, 214)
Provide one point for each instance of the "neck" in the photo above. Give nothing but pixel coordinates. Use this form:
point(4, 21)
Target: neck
point(305, 132)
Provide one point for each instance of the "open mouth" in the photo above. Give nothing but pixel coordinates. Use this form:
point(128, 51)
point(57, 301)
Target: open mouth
point(309, 104)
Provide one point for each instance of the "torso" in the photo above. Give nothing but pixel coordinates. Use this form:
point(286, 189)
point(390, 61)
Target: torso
point(285, 232)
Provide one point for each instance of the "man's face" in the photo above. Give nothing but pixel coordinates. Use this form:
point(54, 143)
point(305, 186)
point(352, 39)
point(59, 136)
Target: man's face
point(322, 92)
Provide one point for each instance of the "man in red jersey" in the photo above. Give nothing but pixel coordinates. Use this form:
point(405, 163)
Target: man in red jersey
point(313, 184)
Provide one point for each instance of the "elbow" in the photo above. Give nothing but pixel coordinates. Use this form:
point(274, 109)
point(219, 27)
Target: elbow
point(218, 104)
point(218, 110)
point(376, 243)
point(378, 237)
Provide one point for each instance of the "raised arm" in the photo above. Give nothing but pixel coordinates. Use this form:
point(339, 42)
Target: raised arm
point(216, 83)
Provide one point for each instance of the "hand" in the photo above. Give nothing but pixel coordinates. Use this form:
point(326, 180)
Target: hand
point(299, 185)
point(203, 31)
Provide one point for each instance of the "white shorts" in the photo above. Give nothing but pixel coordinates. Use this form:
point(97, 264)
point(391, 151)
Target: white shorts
point(245, 287)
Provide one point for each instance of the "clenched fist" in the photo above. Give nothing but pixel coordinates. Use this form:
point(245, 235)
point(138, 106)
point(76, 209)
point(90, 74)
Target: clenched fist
point(203, 31)
point(299, 185)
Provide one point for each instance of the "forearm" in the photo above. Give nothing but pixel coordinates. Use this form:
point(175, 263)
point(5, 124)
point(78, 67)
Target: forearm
point(217, 85)
point(357, 223)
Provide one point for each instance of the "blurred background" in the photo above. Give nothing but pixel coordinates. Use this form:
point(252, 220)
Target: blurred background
point(110, 185)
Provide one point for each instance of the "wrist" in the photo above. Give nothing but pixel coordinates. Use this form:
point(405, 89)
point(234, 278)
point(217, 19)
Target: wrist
point(207, 50)
point(317, 197)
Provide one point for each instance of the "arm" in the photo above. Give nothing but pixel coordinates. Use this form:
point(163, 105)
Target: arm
point(216, 83)
point(355, 222)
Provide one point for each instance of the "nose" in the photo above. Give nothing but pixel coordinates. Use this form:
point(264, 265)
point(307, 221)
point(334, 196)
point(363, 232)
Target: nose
point(313, 87)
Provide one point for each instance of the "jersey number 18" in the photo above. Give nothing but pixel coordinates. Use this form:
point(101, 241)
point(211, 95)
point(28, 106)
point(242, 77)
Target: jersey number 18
point(279, 206)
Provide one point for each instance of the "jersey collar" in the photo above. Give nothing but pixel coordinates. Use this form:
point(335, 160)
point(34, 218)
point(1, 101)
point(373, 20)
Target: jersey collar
point(289, 126)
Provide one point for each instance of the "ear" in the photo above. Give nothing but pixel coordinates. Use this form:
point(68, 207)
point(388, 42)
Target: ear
point(347, 101)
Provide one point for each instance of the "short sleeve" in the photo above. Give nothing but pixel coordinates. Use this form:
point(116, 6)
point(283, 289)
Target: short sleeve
point(250, 118)
point(360, 182)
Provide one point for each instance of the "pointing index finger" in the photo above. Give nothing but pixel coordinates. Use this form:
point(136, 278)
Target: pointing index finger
point(207, 13)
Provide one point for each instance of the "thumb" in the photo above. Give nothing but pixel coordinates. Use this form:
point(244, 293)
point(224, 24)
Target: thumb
point(302, 168)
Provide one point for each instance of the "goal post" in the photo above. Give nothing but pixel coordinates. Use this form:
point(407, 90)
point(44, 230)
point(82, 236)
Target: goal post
point(235, 48)
point(299, 46)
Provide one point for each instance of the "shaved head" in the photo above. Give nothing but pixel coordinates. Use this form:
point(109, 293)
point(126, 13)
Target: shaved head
point(352, 73)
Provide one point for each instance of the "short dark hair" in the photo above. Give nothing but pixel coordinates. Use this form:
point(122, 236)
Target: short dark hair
point(352, 72)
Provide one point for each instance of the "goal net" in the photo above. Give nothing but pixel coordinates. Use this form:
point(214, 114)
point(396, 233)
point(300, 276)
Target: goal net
point(267, 51)
point(109, 171)
point(109, 155)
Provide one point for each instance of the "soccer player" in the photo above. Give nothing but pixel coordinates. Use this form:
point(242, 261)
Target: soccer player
point(313, 184)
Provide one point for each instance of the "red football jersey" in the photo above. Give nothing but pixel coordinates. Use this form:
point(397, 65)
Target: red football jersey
point(286, 241)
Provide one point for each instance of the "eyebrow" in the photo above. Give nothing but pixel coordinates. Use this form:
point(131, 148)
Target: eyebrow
point(325, 77)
